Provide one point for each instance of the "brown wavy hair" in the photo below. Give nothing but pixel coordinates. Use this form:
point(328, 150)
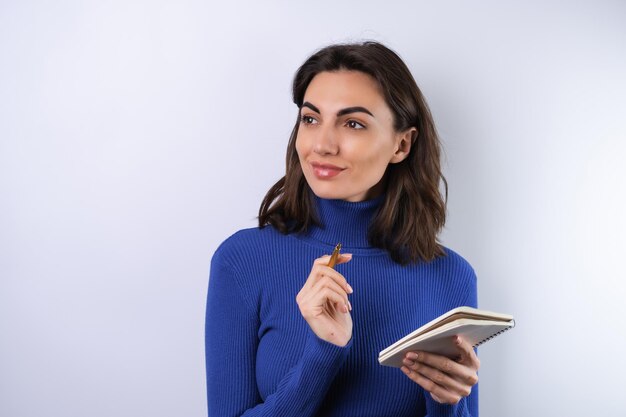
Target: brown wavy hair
point(413, 211)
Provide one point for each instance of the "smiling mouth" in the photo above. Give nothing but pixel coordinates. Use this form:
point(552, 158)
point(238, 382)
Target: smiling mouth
point(325, 171)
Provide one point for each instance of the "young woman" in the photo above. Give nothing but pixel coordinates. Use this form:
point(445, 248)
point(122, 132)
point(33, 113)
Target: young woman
point(287, 335)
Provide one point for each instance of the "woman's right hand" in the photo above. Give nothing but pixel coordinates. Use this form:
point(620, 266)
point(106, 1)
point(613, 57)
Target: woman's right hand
point(323, 302)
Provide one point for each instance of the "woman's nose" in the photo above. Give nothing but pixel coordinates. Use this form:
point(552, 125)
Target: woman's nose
point(326, 142)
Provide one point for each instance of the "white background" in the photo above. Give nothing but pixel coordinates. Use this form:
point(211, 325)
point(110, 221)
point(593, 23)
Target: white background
point(136, 135)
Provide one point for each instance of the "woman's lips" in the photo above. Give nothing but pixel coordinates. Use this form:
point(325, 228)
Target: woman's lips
point(325, 171)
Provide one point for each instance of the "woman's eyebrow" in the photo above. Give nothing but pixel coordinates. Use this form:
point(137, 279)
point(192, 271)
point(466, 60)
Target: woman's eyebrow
point(356, 109)
point(310, 106)
point(342, 112)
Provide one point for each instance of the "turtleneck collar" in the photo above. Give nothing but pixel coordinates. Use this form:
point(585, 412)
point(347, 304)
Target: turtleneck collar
point(345, 222)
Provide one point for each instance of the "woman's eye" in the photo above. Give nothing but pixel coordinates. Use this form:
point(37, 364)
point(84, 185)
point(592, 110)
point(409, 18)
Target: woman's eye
point(308, 120)
point(353, 124)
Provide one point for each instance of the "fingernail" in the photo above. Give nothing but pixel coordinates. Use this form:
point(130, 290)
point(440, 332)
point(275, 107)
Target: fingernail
point(407, 362)
point(350, 305)
point(412, 355)
point(349, 288)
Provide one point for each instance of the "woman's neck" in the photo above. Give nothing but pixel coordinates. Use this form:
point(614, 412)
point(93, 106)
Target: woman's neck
point(344, 222)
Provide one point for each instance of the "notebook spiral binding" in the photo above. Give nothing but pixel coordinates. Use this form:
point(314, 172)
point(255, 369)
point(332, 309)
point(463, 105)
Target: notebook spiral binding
point(495, 334)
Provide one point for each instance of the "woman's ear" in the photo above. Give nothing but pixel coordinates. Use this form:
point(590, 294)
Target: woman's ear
point(404, 141)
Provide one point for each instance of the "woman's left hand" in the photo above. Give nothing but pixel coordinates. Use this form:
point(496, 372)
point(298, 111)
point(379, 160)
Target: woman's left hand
point(446, 380)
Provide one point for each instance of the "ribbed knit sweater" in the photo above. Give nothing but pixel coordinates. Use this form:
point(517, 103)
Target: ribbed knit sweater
point(262, 357)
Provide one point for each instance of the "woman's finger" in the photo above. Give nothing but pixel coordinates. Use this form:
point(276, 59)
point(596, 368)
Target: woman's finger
point(314, 303)
point(320, 271)
point(343, 258)
point(461, 372)
point(440, 378)
point(325, 295)
point(468, 356)
point(439, 400)
point(327, 282)
point(439, 393)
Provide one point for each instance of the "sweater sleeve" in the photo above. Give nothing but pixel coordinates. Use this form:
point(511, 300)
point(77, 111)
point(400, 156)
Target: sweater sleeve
point(468, 406)
point(231, 341)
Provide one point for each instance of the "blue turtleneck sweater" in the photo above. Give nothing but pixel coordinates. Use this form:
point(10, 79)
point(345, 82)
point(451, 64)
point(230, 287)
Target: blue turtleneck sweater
point(262, 358)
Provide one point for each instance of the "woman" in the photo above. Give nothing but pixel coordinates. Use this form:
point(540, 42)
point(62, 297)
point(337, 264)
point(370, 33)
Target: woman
point(287, 335)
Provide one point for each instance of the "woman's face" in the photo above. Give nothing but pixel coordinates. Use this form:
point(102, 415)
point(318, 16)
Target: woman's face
point(346, 136)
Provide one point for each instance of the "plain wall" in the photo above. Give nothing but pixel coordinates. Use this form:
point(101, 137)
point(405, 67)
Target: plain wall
point(136, 135)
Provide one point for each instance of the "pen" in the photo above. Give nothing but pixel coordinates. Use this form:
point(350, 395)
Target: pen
point(334, 256)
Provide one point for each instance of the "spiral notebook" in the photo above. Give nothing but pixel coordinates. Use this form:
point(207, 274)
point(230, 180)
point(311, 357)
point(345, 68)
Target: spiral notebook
point(474, 325)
